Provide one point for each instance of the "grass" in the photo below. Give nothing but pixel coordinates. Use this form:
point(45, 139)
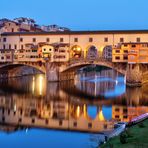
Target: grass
point(137, 137)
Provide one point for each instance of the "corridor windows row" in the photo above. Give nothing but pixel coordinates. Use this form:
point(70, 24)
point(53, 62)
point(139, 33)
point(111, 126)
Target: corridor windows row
point(11, 47)
point(76, 39)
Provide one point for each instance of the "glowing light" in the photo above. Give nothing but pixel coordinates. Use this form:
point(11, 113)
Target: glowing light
point(78, 49)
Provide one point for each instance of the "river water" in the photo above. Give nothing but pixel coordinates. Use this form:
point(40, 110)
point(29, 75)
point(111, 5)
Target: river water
point(34, 113)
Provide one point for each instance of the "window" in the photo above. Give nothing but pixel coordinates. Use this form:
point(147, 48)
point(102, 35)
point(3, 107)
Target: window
point(21, 39)
point(61, 40)
point(2, 58)
point(125, 57)
point(138, 39)
point(75, 39)
point(90, 39)
point(15, 46)
point(7, 57)
point(117, 51)
point(34, 39)
point(117, 58)
point(117, 116)
point(125, 110)
point(47, 40)
point(134, 45)
point(4, 47)
point(125, 117)
point(22, 47)
point(105, 39)
point(9, 46)
point(117, 109)
point(125, 45)
point(4, 39)
point(125, 51)
point(121, 40)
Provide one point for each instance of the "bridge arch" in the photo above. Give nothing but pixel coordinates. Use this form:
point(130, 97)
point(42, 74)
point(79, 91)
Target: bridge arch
point(107, 53)
point(76, 66)
point(38, 66)
point(91, 52)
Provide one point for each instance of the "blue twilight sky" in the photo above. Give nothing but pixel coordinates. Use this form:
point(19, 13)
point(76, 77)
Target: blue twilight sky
point(81, 14)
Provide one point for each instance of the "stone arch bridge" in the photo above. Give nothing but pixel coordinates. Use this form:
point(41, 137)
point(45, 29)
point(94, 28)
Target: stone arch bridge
point(56, 71)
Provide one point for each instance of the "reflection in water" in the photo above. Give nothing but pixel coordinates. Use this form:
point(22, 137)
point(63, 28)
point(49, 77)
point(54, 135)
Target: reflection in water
point(91, 103)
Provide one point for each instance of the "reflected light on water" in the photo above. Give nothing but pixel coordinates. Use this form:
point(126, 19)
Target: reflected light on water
point(78, 111)
point(101, 116)
point(40, 85)
point(33, 85)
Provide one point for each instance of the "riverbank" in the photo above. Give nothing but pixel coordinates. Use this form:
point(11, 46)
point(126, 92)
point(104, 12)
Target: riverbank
point(136, 137)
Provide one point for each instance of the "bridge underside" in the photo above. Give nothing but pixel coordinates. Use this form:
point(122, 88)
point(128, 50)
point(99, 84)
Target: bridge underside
point(14, 70)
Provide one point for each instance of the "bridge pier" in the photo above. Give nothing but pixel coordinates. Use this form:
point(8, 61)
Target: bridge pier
point(133, 75)
point(52, 72)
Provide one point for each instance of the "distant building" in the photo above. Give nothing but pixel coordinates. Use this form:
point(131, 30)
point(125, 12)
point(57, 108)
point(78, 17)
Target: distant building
point(54, 28)
point(18, 25)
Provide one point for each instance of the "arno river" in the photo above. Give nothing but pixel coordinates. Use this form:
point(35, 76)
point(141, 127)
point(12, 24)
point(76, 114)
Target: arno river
point(34, 113)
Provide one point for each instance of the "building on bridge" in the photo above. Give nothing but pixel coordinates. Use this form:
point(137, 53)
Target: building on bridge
point(131, 52)
point(67, 51)
point(80, 42)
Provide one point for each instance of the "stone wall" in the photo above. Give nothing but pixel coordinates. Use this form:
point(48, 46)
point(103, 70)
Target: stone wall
point(133, 75)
